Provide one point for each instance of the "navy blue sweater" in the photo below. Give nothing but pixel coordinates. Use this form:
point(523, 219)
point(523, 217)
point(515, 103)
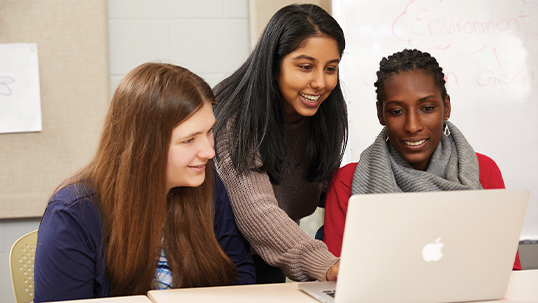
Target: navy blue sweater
point(70, 262)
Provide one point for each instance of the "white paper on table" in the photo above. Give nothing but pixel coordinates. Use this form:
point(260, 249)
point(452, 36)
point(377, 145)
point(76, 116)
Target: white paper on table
point(20, 99)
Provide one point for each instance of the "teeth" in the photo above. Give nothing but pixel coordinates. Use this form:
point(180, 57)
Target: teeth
point(415, 143)
point(311, 98)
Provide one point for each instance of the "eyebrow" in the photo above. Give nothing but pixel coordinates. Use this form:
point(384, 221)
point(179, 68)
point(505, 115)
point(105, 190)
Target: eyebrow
point(426, 98)
point(313, 59)
point(419, 100)
point(193, 133)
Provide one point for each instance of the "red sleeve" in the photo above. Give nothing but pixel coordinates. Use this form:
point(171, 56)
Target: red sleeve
point(489, 173)
point(338, 194)
point(517, 263)
point(491, 178)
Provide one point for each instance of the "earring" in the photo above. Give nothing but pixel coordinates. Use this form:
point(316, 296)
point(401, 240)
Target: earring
point(447, 130)
point(386, 138)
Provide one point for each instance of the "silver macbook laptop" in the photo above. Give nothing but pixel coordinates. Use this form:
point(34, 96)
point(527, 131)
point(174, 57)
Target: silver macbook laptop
point(446, 246)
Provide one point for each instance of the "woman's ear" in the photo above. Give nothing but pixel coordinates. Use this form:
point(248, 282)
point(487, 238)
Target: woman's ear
point(447, 108)
point(380, 113)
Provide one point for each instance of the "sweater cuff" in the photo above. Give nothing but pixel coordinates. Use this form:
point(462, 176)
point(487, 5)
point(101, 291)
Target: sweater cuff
point(319, 263)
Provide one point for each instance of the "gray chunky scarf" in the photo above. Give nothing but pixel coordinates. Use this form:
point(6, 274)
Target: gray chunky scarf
point(453, 166)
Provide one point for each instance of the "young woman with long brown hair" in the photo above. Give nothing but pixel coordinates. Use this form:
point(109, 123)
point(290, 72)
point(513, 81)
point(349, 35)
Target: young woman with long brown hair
point(148, 212)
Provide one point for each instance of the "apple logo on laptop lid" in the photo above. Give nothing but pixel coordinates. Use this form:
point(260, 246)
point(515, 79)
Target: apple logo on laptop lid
point(432, 251)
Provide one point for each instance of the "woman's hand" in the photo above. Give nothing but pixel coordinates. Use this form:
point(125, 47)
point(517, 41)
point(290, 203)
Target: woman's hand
point(332, 273)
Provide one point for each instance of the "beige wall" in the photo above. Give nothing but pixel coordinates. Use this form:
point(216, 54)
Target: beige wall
point(72, 46)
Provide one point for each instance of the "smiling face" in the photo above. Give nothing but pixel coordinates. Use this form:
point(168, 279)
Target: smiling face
point(308, 75)
point(190, 149)
point(414, 114)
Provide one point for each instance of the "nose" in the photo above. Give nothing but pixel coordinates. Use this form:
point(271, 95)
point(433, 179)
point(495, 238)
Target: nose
point(207, 150)
point(413, 123)
point(318, 79)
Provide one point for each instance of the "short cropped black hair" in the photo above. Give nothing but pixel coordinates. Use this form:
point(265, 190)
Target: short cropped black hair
point(408, 60)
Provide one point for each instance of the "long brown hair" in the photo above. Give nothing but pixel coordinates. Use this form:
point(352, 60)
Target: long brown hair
point(128, 174)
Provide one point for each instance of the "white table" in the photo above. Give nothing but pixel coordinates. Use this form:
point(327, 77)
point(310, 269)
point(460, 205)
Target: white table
point(126, 299)
point(259, 293)
point(523, 287)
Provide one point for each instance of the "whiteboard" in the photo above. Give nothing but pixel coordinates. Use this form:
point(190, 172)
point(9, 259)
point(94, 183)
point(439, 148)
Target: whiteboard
point(489, 53)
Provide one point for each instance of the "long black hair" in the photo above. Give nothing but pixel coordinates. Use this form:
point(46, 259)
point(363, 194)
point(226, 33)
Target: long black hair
point(408, 60)
point(249, 102)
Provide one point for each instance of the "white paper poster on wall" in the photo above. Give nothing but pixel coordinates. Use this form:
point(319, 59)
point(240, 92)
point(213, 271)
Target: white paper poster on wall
point(20, 100)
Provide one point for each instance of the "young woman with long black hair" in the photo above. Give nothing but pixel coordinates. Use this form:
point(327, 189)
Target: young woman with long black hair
point(280, 134)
